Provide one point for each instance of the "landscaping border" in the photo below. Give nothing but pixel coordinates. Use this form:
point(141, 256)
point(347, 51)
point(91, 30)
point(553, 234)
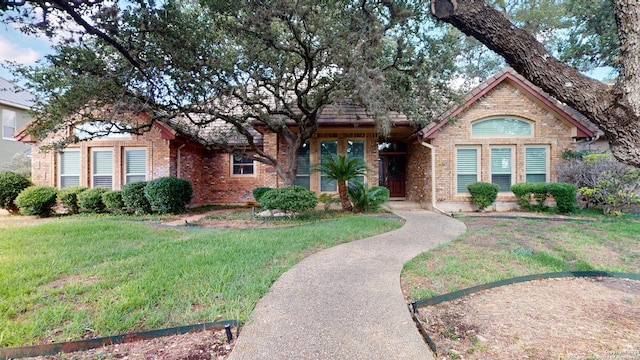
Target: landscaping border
point(413, 307)
point(82, 345)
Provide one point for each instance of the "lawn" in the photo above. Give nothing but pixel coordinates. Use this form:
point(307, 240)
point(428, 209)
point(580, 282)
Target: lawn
point(493, 249)
point(82, 277)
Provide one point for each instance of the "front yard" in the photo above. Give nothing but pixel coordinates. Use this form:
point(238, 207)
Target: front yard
point(81, 277)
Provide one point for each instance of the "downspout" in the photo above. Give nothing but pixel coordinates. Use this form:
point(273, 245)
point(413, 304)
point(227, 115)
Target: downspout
point(433, 178)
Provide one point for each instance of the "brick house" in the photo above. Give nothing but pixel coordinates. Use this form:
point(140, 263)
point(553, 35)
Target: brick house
point(506, 131)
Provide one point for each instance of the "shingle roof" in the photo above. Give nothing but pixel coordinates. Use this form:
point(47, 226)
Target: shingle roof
point(13, 95)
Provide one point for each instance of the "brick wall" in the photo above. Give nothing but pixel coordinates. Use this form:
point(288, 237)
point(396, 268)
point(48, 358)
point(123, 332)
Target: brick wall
point(506, 99)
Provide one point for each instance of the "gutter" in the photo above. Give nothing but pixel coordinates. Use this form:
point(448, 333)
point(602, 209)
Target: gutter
point(433, 179)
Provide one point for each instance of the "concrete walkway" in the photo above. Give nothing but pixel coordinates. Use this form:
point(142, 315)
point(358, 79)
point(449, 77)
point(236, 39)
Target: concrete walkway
point(345, 302)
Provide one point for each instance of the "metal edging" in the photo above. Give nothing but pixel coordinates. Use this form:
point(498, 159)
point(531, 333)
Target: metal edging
point(464, 292)
point(82, 345)
point(413, 307)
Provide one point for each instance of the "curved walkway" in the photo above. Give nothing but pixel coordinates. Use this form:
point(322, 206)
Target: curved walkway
point(345, 302)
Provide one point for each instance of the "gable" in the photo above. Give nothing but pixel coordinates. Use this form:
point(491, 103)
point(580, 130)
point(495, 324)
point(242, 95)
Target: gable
point(508, 94)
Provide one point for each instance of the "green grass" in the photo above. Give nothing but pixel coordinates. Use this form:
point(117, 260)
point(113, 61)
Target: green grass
point(72, 277)
point(510, 248)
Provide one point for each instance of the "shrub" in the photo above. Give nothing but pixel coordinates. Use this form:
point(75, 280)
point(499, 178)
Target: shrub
point(540, 192)
point(69, 198)
point(289, 199)
point(91, 200)
point(367, 199)
point(522, 191)
point(113, 201)
point(565, 196)
point(259, 191)
point(37, 200)
point(134, 199)
point(11, 185)
point(328, 199)
point(169, 195)
point(483, 194)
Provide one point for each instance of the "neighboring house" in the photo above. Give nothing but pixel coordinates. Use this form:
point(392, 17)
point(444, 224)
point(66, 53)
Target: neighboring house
point(14, 111)
point(506, 131)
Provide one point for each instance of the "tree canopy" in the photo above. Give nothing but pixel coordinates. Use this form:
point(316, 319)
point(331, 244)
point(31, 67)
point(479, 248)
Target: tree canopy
point(223, 66)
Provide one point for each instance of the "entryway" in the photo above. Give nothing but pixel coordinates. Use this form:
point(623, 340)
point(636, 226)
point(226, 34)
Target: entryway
point(392, 168)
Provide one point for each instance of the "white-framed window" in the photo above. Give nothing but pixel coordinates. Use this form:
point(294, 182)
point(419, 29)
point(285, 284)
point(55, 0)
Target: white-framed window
point(502, 127)
point(355, 149)
point(502, 167)
point(102, 130)
point(135, 165)
point(536, 163)
point(8, 124)
point(327, 148)
point(303, 175)
point(241, 166)
point(69, 168)
point(467, 165)
point(102, 168)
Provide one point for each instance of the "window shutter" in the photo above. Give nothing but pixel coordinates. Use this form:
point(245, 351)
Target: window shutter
point(136, 161)
point(467, 168)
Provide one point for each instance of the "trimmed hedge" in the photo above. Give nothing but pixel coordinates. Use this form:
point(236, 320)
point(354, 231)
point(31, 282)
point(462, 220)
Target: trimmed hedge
point(169, 195)
point(134, 199)
point(91, 200)
point(69, 198)
point(113, 201)
point(11, 185)
point(565, 196)
point(289, 199)
point(37, 200)
point(563, 193)
point(483, 194)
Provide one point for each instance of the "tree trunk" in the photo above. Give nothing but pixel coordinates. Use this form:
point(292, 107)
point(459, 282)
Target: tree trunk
point(613, 110)
point(344, 198)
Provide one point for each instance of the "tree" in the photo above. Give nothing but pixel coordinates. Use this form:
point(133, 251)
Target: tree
point(341, 168)
point(614, 109)
point(216, 69)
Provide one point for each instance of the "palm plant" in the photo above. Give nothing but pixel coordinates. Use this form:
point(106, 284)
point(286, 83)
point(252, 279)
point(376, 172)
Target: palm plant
point(342, 169)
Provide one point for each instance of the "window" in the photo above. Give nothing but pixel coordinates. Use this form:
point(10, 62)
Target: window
point(501, 127)
point(536, 164)
point(303, 176)
point(242, 166)
point(135, 165)
point(69, 168)
point(328, 148)
point(355, 149)
point(501, 167)
point(102, 130)
point(466, 168)
point(8, 124)
point(102, 168)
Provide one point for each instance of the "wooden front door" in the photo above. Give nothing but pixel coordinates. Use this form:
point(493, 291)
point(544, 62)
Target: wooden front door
point(391, 174)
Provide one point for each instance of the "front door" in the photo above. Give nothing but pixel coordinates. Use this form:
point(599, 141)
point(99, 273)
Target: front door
point(391, 174)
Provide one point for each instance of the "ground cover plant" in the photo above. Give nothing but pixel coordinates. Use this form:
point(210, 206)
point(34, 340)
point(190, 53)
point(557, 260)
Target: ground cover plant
point(495, 323)
point(88, 276)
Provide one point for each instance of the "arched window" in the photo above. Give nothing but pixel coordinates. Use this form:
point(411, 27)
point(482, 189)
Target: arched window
point(501, 127)
point(102, 130)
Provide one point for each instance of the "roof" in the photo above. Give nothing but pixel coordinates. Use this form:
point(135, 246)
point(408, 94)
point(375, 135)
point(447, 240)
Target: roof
point(584, 127)
point(13, 95)
point(353, 115)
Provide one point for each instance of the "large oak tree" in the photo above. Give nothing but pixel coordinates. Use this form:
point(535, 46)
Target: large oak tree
point(233, 64)
point(614, 109)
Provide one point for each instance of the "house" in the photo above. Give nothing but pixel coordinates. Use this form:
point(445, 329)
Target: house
point(505, 131)
point(14, 111)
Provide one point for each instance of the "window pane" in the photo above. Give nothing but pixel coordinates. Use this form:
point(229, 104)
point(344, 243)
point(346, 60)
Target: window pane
point(355, 148)
point(70, 163)
point(135, 178)
point(304, 160)
point(536, 164)
point(328, 148)
point(8, 123)
point(501, 168)
point(242, 166)
point(67, 181)
point(102, 181)
point(467, 168)
point(136, 161)
point(501, 126)
point(304, 181)
point(102, 162)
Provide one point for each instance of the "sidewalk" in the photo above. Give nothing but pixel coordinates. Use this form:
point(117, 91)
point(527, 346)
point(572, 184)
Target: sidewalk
point(345, 302)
